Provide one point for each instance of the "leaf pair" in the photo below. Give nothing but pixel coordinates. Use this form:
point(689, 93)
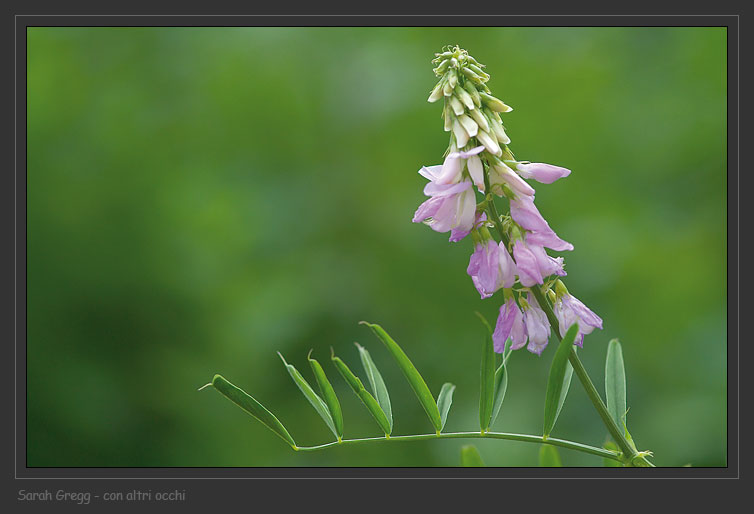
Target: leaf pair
point(615, 387)
point(494, 383)
point(329, 408)
point(253, 407)
point(416, 381)
point(559, 380)
point(376, 409)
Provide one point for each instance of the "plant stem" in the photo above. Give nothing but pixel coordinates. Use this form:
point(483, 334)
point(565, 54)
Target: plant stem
point(629, 453)
point(601, 452)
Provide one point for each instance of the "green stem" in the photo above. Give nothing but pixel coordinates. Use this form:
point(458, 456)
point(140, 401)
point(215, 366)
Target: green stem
point(601, 452)
point(578, 367)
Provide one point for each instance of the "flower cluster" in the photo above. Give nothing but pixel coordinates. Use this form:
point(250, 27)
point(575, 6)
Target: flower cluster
point(478, 157)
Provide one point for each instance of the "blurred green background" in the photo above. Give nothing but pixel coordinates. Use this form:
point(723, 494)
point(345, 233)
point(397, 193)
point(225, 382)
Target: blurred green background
point(200, 198)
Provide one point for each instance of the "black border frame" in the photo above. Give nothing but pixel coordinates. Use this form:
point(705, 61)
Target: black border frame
point(21, 22)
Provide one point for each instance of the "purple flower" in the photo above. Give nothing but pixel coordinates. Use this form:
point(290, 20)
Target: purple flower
point(548, 239)
point(526, 214)
point(451, 207)
point(569, 309)
point(491, 268)
point(544, 173)
point(501, 174)
point(510, 324)
point(450, 171)
point(537, 326)
point(527, 265)
point(547, 265)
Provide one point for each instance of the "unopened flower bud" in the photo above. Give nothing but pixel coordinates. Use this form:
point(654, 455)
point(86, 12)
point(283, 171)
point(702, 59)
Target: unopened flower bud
point(462, 137)
point(560, 289)
point(448, 117)
point(473, 61)
point(452, 79)
point(489, 143)
point(464, 97)
point(476, 69)
point(436, 92)
point(472, 76)
point(469, 86)
point(442, 68)
point(468, 125)
point(456, 105)
point(495, 104)
point(500, 134)
point(496, 125)
point(480, 120)
point(551, 295)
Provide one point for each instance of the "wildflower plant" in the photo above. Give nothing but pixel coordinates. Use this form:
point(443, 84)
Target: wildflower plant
point(509, 264)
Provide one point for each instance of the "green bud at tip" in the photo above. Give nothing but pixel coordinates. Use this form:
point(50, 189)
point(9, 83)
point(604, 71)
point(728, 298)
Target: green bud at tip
point(560, 288)
point(516, 234)
point(507, 293)
point(508, 192)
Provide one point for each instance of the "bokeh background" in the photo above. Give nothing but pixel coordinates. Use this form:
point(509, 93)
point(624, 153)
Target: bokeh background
point(201, 198)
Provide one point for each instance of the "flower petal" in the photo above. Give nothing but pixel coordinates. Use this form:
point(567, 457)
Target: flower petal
point(544, 173)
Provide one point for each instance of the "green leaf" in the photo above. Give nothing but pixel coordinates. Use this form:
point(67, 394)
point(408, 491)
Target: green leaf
point(556, 378)
point(615, 383)
point(310, 395)
point(549, 457)
point(367, 399)
point(470, 457)
point(444, 399)
point(610, 463)
point(507, 350)
point(566, 385)
point(412, 375)
point(501, 385)
point(378, 385)
point(487, 383)
point(329, 395)
point(253, 407)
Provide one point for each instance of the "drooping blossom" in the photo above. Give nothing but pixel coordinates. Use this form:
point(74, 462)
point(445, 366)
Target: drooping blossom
point(549, 239)
point(537, 326)
point(569, 309)
point(544, 173)
point(510, 324)
point(451, 206)
point(527, 266)
point(526, 214)
point(501, 174)
point(547, 265)
point(533, 264)
point(450, 171)
point(491, 267)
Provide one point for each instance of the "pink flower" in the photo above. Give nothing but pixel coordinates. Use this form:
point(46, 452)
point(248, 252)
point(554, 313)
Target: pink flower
point(491, 268)
point(450, 171)
point(537, 326)
point(510, 324)
point(451, 206)
point(501, 174)
point(569, 309)
point(526, 214)
point(527, 265)
point(544, 173)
